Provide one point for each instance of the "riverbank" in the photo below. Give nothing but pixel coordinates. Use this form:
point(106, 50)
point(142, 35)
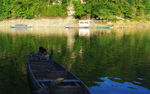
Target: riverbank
point(39, 24)
point(131, 24)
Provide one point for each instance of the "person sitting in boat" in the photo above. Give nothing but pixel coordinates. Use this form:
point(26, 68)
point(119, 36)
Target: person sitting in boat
point(40, 52)
point(45, 55)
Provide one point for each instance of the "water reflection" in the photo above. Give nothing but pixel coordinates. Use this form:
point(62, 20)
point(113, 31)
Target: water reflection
point(84, 32)
point(108, 86)
point(93, 32)
point(70, 39)
point(108, 61)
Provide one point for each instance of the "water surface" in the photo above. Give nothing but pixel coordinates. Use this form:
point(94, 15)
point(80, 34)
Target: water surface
point(107, 61)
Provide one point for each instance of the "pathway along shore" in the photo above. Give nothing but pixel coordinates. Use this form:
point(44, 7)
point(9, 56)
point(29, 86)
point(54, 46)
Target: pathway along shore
point(41, 22)
point(62, 22)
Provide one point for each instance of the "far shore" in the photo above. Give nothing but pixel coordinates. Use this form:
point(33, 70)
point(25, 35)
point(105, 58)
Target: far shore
point(59, 22)
point(38, 22)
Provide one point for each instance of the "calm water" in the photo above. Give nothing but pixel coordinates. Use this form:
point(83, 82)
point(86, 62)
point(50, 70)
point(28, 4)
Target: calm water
point(109, 62)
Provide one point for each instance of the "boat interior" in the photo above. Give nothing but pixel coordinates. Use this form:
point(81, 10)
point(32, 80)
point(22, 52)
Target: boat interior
point(54, 78)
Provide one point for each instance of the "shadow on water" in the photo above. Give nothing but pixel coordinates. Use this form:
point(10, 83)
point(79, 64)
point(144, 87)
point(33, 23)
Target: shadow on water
point(109, 62)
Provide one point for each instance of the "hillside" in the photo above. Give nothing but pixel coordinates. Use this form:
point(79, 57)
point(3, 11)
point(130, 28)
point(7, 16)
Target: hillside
point(89, 9)
point(109, 9)
point(32, 8)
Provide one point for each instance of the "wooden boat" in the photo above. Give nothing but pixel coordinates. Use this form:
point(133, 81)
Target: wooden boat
point(75, 27)
point(87, 24)
point(49, 77)
point(101, 27)
point(21, 26)
point(90, 27)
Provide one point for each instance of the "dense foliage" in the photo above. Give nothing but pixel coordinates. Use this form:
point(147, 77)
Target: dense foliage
point(97, 9)
point(32, 8)
point(110, 8)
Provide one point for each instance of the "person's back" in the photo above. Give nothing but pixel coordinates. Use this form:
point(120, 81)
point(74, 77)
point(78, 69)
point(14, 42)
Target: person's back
point(46, 56)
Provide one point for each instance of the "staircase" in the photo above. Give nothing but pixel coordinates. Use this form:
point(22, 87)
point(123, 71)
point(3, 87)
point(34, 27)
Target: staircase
point(71, 10)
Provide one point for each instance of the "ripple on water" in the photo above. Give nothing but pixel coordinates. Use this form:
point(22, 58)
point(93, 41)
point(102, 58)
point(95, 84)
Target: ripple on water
point(113, 87)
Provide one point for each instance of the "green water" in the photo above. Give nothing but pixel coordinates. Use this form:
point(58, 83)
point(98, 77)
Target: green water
point(94, 59)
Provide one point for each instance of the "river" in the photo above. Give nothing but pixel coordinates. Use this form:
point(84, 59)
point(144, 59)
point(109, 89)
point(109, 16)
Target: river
point(107, 61)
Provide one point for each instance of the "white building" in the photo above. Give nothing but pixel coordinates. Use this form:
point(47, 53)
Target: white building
point(84, 23)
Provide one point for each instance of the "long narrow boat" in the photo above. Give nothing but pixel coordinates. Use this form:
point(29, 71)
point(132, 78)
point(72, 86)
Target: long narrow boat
point(49, 77)
point(21, 26)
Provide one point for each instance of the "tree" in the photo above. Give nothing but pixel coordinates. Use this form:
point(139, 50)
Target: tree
point(79, 9)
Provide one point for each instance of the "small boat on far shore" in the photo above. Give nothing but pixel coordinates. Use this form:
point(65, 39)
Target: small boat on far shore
point(86, 24)
point(101, 27)
point(75, 27)
point(49, 77)
point(21, 26)
point(90, 27)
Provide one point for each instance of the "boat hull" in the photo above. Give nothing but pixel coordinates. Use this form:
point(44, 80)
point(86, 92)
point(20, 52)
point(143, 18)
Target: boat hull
point(49, 77)
point(21, 27)
point(90, 27)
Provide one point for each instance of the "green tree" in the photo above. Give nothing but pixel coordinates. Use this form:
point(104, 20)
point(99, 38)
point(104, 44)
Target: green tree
point(79, 9)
